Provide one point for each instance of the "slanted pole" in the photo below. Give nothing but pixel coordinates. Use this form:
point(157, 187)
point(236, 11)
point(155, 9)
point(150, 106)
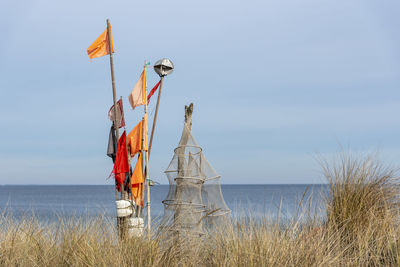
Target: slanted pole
point(113, 79)
point(155, 115)
point(121, 223)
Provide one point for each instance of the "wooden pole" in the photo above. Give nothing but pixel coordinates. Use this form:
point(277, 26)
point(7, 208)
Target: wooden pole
point(121, 223)
point(141, 187)
point(180, 210)
point(147, 161)
point(155, 115)
point(129, 162)
point(112, 79)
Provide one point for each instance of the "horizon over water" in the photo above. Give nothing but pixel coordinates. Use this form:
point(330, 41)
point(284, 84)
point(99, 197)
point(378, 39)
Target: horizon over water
point(159, 184)
point(50, 202)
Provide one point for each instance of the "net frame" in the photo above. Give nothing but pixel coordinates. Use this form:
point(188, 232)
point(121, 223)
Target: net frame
point(194, 202)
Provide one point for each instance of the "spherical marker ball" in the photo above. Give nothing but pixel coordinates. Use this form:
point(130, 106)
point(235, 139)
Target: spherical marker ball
point(163, 67)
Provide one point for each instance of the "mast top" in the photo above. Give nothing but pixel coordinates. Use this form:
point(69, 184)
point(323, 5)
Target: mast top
point(164, 67)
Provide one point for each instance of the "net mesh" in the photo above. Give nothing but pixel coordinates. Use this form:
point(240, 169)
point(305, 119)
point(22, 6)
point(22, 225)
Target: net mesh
point(194, 201)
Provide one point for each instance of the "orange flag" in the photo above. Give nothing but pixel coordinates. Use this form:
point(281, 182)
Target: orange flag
point(137, 181)
point(137, 175)
point(138, 94)
point(101, 46)
point(137, 194)
point(135, 138)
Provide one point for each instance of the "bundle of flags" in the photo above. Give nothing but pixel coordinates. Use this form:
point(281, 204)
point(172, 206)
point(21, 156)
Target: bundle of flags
point(135, 143)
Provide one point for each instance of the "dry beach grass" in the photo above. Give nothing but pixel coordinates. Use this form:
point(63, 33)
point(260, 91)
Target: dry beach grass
point(360, 228)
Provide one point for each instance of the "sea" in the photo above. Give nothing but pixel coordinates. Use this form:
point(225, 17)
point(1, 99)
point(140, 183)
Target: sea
point(52, 202)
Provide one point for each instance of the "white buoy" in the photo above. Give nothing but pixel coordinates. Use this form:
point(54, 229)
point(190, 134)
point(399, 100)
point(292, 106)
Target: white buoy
point(135, 227)
point(124, 208)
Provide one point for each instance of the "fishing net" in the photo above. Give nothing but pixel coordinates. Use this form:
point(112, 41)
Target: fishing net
point(194, 201)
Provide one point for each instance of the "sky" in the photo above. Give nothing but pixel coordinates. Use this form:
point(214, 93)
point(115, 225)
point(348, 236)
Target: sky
point(275, 84)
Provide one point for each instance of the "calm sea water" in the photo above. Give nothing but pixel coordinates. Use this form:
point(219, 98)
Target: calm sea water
point(52, 202)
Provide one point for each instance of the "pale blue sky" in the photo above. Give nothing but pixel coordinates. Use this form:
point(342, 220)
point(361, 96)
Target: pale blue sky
point(273, 82)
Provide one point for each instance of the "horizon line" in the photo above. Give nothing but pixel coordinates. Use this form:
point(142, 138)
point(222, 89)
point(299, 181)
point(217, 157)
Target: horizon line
point(158, 184)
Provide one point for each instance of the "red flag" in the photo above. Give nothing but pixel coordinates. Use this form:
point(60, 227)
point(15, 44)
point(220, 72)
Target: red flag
point(121, 165)
point(120, 114)
point(152, 92)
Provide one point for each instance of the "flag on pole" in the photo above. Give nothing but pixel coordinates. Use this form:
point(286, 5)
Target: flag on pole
point(138, 94)
point(101, 46)
point(137, 181)
point(120, 114)
point(121, 165)
point(112, 144)
point(152, 92)
point(135, 138)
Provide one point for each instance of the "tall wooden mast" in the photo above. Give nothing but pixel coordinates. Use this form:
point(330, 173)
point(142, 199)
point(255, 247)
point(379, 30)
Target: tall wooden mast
point(155, 115)
point(162, 67)
point(121, 222)
point(147, 157)
point(113, 78)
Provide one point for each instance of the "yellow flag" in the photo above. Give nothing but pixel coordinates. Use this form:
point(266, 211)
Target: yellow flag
point(138, 94)
point(101, 46)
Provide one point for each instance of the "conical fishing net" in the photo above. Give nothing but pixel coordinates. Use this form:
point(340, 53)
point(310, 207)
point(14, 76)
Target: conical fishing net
point(194, 201)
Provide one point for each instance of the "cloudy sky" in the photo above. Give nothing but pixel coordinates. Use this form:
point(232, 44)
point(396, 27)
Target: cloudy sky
point(274, 84)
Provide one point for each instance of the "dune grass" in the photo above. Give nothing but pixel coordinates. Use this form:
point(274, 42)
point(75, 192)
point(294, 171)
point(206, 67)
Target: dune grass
point(360, 228)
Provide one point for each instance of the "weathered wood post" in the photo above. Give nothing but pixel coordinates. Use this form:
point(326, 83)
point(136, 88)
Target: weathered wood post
point(121, 222)
point(188, 116)
point(183, 214)
point(188, 124)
